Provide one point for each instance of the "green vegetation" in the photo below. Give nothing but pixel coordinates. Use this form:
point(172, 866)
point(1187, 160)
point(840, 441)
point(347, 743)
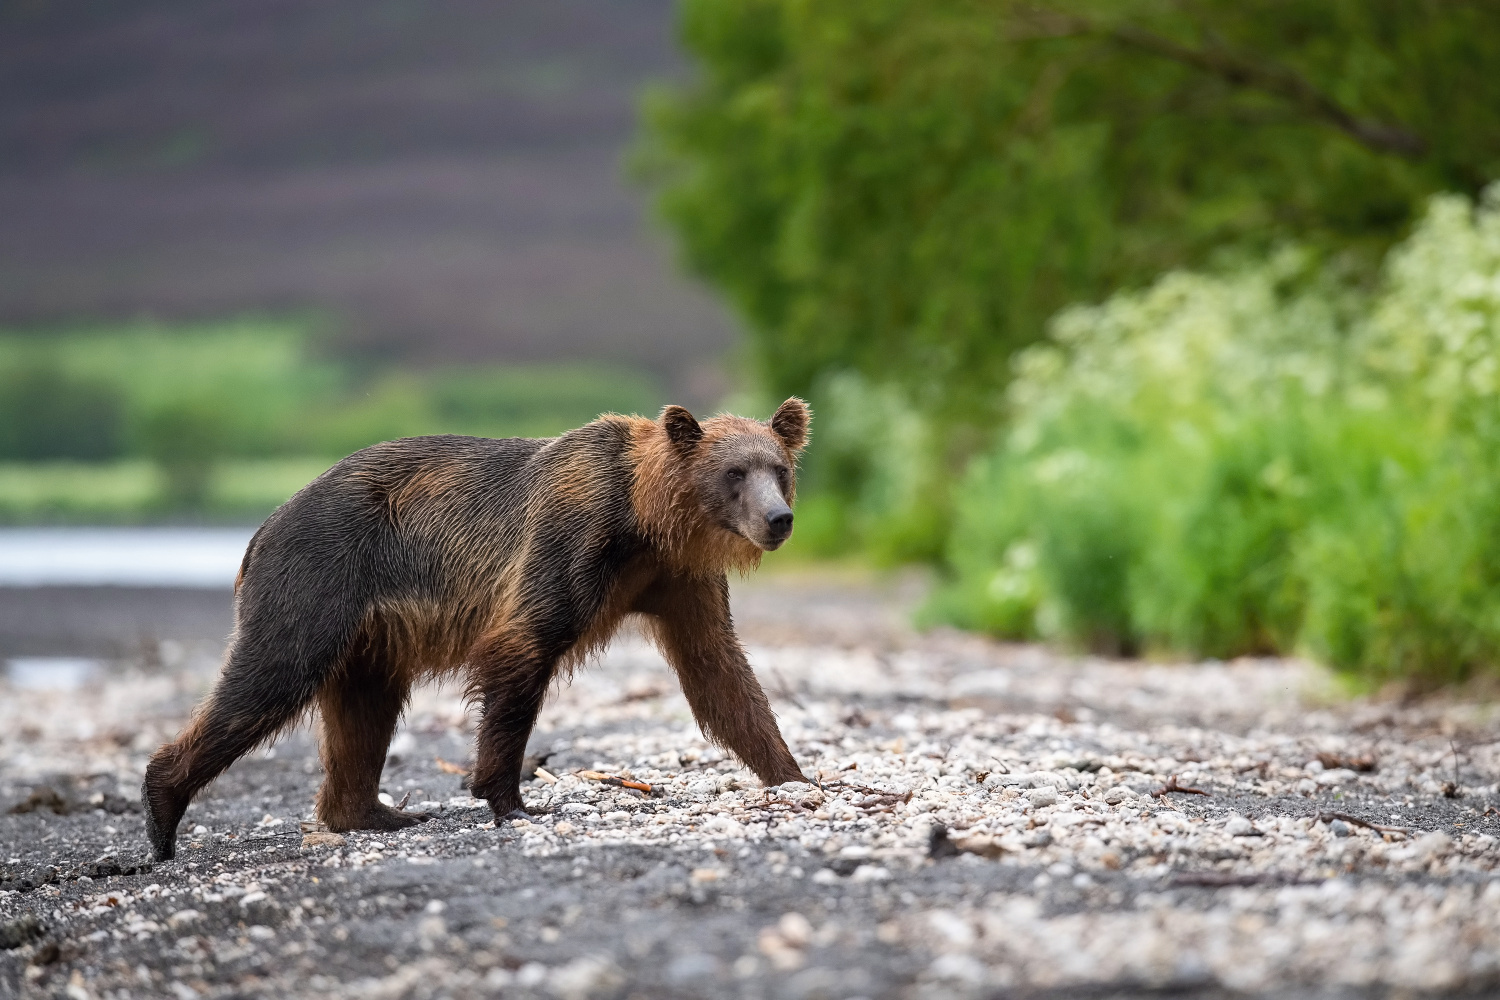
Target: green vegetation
point(909, 189)
point(1257, 462)
point(1276, 433)
point(226, 420)
point(131, 491)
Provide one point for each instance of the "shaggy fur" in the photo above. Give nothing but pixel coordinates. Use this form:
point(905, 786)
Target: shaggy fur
point(505, 560)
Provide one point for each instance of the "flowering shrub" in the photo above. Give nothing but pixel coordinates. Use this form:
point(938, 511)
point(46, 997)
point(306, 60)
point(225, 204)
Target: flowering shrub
point(1258, 462)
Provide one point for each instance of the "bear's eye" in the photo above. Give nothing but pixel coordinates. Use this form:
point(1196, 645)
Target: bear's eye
point(735, 475)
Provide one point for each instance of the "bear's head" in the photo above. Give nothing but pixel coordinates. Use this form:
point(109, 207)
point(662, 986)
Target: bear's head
point(744, 472)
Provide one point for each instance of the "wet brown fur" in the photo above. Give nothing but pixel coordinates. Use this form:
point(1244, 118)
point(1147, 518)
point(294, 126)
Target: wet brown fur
point(511, 585)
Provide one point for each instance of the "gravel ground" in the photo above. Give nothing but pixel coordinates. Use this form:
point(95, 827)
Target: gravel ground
point(988, 819)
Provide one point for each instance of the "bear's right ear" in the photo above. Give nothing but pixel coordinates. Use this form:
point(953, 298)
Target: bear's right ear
point(790, 423)
point(682, 428)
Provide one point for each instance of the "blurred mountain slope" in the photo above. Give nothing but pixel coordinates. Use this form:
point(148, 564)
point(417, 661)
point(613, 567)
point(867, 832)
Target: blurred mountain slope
point(440, 177)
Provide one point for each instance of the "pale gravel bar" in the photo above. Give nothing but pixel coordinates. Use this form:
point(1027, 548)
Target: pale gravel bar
point(1071, 879)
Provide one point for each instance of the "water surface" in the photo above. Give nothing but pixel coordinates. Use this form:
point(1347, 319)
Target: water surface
point(121, 557)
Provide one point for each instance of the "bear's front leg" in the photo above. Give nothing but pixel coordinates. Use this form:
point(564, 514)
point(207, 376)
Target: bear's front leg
point(513, 689)
point(696, 635)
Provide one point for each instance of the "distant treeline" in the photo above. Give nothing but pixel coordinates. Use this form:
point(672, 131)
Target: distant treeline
point(186, 398)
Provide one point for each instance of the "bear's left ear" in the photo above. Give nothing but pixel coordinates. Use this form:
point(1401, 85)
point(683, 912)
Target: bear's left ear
point(790, 423)
point(682, 428)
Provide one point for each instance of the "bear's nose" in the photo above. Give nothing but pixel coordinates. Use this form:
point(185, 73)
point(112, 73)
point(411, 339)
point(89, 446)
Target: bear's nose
point(780, 521)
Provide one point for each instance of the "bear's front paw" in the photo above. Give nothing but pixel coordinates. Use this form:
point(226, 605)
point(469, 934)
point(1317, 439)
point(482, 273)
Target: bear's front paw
point(376, 816)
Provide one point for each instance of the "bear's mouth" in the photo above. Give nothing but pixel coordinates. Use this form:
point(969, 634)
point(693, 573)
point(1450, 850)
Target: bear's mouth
point(772, 537)
point(766, 541)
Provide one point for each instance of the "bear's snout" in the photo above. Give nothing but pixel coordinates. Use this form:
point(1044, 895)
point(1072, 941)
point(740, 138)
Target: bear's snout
point(780, 522)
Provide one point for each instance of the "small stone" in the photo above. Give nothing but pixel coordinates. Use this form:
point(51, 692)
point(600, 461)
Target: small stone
point(1118, 794)
point(1239, 826)
point(1432, 845)
point(1339, 828)
point(1042, 797)
point(589, 976)
point(795, 929)
point(531, 974)
point(200, 830)
point(1039, 838)
point(959, 967)
point(564, 829)
point(182, 918)
point(20, 931)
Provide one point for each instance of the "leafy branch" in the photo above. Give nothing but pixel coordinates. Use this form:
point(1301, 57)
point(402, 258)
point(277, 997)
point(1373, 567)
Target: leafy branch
point(1240, 71)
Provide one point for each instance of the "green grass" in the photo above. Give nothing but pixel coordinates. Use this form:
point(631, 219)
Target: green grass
point(135, 491)
point(144, 421)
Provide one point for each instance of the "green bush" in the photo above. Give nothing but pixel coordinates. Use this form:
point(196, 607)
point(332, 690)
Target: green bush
point(1260, 462)
point(876, 481)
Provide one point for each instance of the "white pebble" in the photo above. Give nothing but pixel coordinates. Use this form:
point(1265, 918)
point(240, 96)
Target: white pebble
point(1042, 797)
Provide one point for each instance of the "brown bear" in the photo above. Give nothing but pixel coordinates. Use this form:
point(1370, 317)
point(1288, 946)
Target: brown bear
point(508, 560)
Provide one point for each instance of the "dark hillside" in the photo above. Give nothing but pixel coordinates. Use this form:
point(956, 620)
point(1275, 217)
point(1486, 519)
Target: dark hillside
point(442, 177)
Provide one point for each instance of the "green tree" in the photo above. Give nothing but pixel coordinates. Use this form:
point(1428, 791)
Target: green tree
point(909, 188)
point(185, 438)
point(47, 414)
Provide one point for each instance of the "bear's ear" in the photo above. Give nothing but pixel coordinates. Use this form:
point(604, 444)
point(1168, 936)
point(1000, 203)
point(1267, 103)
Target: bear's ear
point(682, 428)
point(790, 423)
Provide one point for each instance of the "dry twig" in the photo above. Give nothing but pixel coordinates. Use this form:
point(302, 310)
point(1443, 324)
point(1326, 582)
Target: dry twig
point(1329, 817)
point(610, 779)
point(1173, 786)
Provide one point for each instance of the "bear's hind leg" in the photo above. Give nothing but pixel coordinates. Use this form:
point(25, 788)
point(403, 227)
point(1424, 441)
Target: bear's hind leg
point(360, 705)
point(251, 704)
point(512, 691)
